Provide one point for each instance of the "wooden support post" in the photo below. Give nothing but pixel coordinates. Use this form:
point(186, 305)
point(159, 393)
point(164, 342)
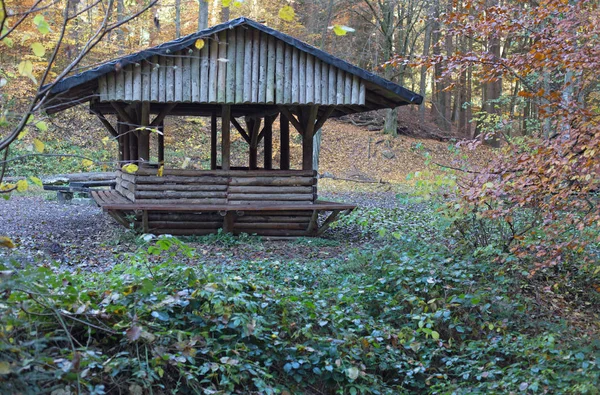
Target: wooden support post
point(213, 140)
point(161, 143)
point(308, 118)
point(225, 137)
point(268, 143)
point(228, 220)
point(253, 126)
point(144, 135)
point(145, 227)
point(284, 150)
point(133, 139)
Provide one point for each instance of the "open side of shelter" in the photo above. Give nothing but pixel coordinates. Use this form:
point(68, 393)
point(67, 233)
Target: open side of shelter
point(248, 75)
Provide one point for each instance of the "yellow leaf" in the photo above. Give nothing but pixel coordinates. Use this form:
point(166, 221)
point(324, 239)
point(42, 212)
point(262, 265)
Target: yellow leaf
point(23, 133)
point(287, 13)
point(4, 368)
point(227, 3)
point(25, 68)
point(130, 168)
point(6, 243)
point(36, 181)
point(42, 126)
point(38, 49)
point(160, 171)
point(7, 187)
point(237, 3)
point(341, 30)
point(87, 162)
point(199, 44)
point(38, 145)
point(22, 185)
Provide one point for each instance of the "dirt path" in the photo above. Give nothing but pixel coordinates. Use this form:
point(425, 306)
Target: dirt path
point(80, 236)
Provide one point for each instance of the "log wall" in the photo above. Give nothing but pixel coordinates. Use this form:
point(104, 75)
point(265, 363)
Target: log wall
point(237, 66)
point(218, 186)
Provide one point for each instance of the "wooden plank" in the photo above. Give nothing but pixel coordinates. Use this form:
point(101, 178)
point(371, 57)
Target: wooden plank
point(362, 93)
point(290, 117)
point(239, 65)
point(287, 81)
point(179, 194)
point(195, 75)
point(317, 81)
point(302, 77)
point(231, 67)
point(161, 143)
point(102, 88)
point(186, 85)
point(178, 79)
point(180, 180)
point(340, 88)
point(176, 202)
point(184, 225)
point(269, 197)
point(222, 68)
point(223, 174)
point(144, 135)
point(267, 225)
point(248, 69)
point(355, 89)
point(273, 218)
point(225, 137)
point(255, 64)
point(310, 79)
point(324, 83)
point(271, 66)
point(162, 76)
point(348, 88)
point(279, 71)
point(154, 79)
point(128, 77)
point(204, 71)
point(137, 82)
point(332, 86)
point(170, 81)
point(213, 69)
point(262, 69)
point(295, 76)
point(240, 129)
point(164, 111)
point(228, 222)
point(110, 86)
point(271, 189)
point(194, 187)
point(288, 208)
point(265, 181)
point(120, 85)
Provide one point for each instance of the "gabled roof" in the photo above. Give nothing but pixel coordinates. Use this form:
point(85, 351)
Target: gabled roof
point(82, 87)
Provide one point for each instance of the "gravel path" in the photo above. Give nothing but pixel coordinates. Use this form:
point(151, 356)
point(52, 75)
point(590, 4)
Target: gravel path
point(81, 236)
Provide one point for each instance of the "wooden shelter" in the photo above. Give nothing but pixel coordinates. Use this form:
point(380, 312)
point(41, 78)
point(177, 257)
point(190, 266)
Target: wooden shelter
point(239, 69)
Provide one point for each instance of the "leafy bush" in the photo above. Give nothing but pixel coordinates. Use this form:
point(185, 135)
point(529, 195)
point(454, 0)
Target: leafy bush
point(413, 317)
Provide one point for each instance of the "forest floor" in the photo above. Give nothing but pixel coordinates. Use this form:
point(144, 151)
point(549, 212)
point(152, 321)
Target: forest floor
point(79, 236)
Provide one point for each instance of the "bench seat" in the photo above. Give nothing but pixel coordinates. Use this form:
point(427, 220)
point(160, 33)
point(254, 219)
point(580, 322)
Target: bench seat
point(266, 219)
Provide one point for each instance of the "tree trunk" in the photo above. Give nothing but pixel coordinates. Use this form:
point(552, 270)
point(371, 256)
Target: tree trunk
point(423, 81)
point(177, 18)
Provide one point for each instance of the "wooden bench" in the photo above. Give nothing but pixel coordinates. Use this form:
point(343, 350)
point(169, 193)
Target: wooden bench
point(64, 193)
point(266, 219)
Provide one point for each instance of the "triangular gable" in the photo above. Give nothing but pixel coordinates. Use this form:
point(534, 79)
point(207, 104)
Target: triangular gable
point(241, 62)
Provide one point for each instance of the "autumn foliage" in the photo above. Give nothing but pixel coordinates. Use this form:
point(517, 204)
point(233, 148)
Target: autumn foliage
point(552, 174)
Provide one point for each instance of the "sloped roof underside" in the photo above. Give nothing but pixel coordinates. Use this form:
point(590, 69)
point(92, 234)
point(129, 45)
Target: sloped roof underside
point(277, 69)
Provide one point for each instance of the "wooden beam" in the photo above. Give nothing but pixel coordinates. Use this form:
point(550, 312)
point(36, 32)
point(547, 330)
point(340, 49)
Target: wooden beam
point(268, 142)
point(133, 137)
point(240, 129)
point(285, 111)
point(123, 130)
point(105, 122)
point(308, 119)
point(213, 141)
point(123, 113)
point(162, 114)
point(161, 143)
point(253, 125)
point(324, 117)
point(144, 134)
point(225, 137)
point(284, 149)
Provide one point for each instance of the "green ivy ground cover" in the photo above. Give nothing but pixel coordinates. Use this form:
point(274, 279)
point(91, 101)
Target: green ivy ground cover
point(415, 316)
